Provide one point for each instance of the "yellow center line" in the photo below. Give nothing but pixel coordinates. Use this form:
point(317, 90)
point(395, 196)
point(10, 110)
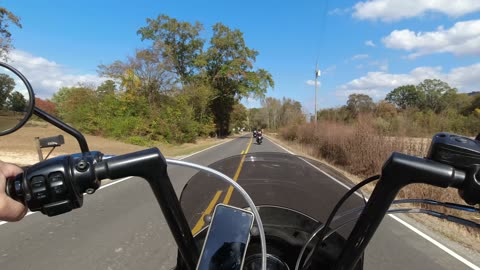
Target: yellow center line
point(207, 211)
point(200, 223)
point(237, 174)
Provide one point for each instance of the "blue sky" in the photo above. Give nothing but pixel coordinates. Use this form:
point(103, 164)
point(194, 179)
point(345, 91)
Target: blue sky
point(368, 46)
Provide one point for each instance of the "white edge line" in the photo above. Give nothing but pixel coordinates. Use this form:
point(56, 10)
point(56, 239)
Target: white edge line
point(401, 221)
point(126, 178)
point(436, 243)
point(208, 148)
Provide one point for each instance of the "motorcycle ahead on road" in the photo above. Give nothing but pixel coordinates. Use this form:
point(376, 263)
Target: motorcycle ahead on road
point(259, 137)
point(288, 233)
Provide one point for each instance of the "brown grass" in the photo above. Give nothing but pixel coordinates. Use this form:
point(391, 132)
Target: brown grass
point(360, 151)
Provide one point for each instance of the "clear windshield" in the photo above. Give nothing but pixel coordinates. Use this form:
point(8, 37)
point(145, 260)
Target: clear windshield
point(275, 179)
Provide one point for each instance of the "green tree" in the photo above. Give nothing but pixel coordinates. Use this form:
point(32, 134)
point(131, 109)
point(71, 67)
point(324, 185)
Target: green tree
point(406, 96)
point(358, 103)
point(199, 96)
point(17, 102)
point(6, 18)
point(228, 63)
point(474, 105)
point(107, 88)
point(78, 106)
point(256, 118)
point(437, 94)
point(459, 102)
point(238, 117)
point(291, 113)
point(7, 84)
point(178, 42)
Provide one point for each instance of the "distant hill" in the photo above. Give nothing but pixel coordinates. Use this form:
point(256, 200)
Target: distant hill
point(473, 93)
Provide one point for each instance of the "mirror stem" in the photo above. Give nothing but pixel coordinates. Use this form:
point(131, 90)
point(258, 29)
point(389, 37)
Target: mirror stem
point(59, 124)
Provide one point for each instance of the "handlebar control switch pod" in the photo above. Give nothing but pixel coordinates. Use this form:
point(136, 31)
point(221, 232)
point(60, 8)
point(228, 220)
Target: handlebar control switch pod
point(454, 150)
point(461, 153)
point(56, 186)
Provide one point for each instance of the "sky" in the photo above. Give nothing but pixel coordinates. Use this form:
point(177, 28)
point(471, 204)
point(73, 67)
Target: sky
point(368, 46)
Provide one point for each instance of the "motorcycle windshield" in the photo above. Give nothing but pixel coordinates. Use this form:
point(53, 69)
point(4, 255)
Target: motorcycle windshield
point(271, 179)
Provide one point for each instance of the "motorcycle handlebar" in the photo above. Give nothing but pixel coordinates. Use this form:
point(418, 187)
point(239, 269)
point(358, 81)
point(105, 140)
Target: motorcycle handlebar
point(56, 186)
point(398, 171)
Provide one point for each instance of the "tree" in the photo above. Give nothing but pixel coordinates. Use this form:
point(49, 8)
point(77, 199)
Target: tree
point(358, 103)
point(108, 87)
point(144, 74)
point(238, 117)
point(405, 96)
point(178, 42)
point(17, 102)
point(6, 17)
point(7, 84)
point(46, 105)
point(291, 113)
point(228, 63)
point(437, 94)
point(256, 118)
point(272, 107)
point(385, 110)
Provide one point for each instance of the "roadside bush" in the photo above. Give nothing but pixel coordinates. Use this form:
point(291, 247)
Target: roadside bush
point(362, 151)
point(289, 133)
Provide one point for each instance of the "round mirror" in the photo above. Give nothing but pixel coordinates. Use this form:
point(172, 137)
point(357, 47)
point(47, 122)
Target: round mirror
point(16, 99)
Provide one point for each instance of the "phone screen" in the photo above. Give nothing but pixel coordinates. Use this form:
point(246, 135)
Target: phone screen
point(227, 239)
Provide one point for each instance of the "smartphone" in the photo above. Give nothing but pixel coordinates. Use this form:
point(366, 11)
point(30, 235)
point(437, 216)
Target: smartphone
point(227, 239)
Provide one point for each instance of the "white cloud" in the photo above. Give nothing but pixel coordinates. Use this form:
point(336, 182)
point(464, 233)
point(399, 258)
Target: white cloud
point(463, 38)
point(359, 57)
point(47, 76)
point(370, 43)
point(378, 84)
point(312, 83)
point(394, 10)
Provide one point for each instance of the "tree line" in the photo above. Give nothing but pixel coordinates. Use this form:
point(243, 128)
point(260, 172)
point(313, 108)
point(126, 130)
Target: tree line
point(177, 88)
point(413, 110)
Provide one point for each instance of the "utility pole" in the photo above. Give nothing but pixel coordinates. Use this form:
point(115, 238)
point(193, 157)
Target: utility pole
point(317, 74)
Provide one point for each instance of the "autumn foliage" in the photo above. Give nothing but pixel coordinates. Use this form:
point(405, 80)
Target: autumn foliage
point(46, 105)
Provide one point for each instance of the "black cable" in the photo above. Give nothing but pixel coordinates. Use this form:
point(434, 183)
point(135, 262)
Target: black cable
point(455, 206)
point(436, 214)
point(335, 209)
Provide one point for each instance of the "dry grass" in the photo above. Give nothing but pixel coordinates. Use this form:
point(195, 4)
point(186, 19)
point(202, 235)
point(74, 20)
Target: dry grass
point(19, 147)
point(360, 151)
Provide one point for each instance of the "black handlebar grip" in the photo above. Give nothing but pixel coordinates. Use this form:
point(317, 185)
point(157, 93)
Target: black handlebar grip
point(14, 188)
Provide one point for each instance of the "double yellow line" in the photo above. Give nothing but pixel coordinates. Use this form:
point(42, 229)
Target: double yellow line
point(200, 223)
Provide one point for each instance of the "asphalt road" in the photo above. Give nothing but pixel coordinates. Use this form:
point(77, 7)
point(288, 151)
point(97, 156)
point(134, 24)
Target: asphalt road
point(121, 225)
